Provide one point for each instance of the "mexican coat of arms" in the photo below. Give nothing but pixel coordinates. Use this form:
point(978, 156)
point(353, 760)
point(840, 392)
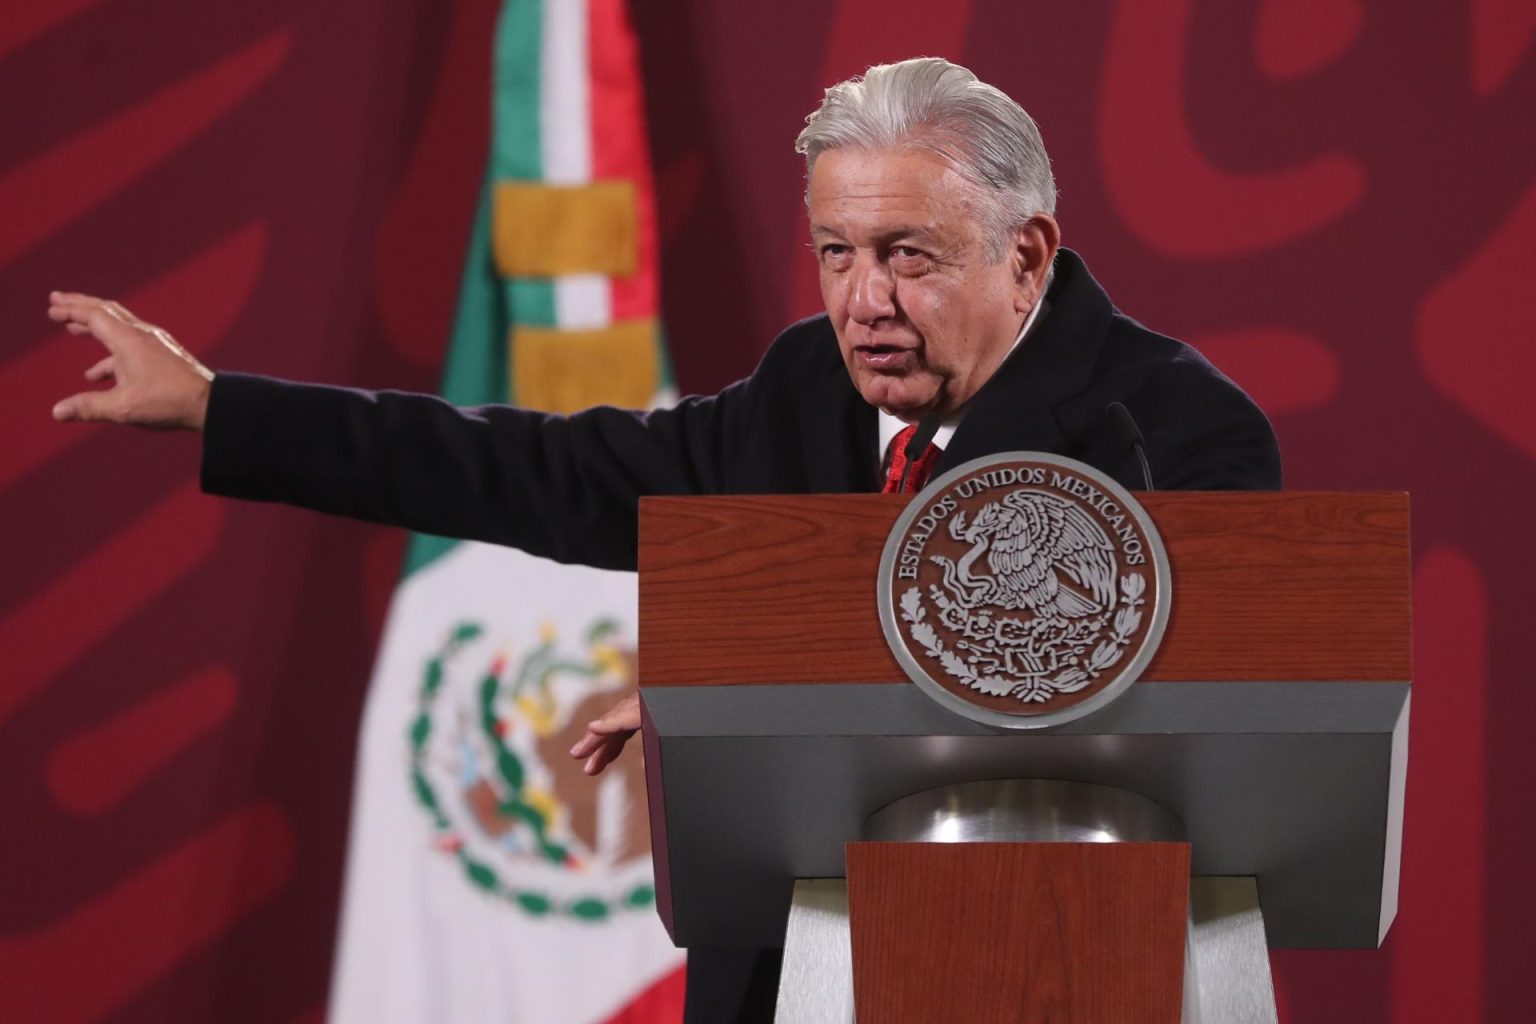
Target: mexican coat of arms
point(1024, 590)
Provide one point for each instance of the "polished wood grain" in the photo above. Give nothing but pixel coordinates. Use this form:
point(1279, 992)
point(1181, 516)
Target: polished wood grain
point(1023, 933)
point(1290, 585)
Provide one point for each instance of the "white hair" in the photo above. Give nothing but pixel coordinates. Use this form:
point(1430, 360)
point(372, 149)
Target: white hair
point(928, 103)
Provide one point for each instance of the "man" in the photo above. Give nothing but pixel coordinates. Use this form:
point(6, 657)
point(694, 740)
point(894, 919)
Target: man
point(931, 202)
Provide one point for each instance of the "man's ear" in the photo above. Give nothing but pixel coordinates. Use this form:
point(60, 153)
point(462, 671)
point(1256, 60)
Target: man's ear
point(1034, 251)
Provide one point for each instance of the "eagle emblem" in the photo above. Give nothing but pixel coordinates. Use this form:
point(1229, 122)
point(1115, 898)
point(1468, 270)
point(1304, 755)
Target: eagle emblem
point(1022, 581)
point(1030, 540)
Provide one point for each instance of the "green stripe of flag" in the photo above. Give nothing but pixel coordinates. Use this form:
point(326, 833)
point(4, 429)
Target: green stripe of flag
point(517, 138)
point(516, 141)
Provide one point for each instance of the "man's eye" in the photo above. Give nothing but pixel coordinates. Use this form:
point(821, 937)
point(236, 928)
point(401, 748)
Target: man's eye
point(833, 253)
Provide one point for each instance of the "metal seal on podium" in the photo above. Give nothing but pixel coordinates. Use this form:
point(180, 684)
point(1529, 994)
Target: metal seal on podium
point(1024, 590)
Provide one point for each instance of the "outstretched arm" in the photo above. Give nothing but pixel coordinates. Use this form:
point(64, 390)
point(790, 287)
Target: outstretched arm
point(560, 487)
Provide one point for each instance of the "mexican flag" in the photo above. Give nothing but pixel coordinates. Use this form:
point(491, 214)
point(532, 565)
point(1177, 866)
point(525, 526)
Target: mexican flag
point(488, 879)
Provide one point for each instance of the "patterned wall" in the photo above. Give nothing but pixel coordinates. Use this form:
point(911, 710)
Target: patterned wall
point(1337, 204)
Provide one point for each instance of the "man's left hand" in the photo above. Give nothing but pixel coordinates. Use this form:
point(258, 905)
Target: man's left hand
point(607, 735)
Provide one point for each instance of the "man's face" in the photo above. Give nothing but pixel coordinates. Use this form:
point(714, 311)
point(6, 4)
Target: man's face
point(923, 318)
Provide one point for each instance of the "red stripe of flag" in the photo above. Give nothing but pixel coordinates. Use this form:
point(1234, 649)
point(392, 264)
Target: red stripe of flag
point(619, 147)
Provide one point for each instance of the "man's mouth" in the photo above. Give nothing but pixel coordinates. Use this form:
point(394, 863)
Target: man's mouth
point(883, 357)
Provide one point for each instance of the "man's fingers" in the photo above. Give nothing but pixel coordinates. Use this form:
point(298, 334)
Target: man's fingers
point(598, 761)
point(71, 306)
point(605, 755)
point(595, 749)
point(101, 371)
point(86, 407)
point(599, 734)
point(86, 314)
point(72, 297)
point(588, 743)
point(606, 736)
point(622, 717)
point(90, 318)
point(115, 326)
point(611, 723)
point(74, 305)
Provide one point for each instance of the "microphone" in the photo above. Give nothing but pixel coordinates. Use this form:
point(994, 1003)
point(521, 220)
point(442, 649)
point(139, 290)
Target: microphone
point(1132, 432)
point(927, 427)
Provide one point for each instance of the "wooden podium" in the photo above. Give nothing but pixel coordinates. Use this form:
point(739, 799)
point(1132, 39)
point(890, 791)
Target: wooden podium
point(783, 745)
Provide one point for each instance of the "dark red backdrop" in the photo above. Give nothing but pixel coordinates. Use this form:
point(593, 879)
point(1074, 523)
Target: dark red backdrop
point(1338, 205)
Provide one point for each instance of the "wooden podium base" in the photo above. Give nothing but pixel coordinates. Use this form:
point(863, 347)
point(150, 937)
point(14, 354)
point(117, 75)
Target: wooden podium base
point(1018, 933)
point(1226, 965)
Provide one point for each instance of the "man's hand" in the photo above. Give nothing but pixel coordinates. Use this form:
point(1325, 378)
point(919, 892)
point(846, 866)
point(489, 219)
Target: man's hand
point(606, 736)
point(156, 383)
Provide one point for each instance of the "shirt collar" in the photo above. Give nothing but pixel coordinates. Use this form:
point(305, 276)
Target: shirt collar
point(890, 425)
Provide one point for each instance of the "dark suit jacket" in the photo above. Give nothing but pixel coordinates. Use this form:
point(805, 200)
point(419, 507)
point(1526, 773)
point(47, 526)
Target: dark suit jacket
point(567, 487)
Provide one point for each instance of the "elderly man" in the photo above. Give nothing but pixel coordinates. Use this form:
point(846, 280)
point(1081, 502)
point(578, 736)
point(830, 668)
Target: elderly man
point(931, 202)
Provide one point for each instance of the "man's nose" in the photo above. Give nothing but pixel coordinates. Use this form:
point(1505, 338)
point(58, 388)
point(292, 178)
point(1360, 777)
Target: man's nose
point(873, 296)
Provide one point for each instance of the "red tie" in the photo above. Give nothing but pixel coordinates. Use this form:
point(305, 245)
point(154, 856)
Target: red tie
point(922, 468)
